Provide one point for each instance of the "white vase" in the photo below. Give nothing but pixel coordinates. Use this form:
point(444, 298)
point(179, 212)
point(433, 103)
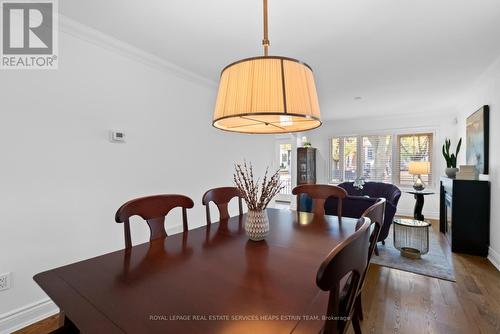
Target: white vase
point(451, 172)
point(257, 225)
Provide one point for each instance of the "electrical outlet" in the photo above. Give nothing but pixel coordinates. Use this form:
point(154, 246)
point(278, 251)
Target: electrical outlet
point(4, 281)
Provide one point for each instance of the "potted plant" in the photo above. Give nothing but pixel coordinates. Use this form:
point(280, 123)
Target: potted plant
point(451, 159)
point(257, 197)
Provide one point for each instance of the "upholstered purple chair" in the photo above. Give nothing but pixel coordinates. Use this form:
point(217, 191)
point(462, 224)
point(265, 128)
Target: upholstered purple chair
point(356, 202)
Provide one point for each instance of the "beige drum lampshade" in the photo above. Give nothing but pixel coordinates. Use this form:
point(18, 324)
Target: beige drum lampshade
point(267, 95)
point(419, 167)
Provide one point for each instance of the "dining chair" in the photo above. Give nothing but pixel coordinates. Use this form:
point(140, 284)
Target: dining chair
point(221, 197)
point(319, 193)
point(153, 210)
point(376, 214)
point(348, 259)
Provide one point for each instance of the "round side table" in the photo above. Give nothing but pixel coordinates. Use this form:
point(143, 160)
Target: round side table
point(411, 237)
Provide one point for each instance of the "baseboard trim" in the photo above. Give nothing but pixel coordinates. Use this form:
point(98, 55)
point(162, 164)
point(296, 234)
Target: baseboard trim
point(494, 258)
point(27, 315)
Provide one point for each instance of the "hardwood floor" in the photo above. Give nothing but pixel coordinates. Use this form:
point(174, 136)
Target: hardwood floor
point(45, 326)
point(400, 302)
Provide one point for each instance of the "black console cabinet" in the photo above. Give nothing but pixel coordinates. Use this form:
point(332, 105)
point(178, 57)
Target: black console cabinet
point(465, 215)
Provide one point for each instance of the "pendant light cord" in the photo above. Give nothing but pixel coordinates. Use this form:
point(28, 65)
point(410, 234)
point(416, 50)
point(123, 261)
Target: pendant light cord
point(265, 41)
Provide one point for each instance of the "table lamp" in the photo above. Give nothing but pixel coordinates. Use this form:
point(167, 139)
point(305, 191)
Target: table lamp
point(419, 168)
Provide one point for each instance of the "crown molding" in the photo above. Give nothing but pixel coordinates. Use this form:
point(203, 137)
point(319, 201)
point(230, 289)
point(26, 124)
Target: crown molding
point(83, 32)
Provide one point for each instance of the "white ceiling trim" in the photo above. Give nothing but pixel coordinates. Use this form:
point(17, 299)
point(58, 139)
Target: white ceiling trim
point(96, 37)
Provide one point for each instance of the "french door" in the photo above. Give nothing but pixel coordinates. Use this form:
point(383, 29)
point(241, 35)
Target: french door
point(284, 162)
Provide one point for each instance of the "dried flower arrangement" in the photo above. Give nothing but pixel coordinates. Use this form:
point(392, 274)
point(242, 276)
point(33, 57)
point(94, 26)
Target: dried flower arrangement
point(256, 196)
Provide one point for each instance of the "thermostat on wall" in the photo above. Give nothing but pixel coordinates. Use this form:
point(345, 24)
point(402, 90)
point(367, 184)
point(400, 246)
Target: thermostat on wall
point(117, 136)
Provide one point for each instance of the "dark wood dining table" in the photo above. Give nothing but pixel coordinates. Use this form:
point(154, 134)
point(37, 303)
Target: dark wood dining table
point(211, 279)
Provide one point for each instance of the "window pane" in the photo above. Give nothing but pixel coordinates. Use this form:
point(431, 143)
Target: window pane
point(376, 158)
point(336, 173)
point(350, 158)
point(285, 176)
point(417, 147)
point(285, 153)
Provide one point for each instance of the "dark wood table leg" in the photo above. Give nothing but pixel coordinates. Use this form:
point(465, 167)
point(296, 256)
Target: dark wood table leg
point(419, 204)
point(66, 326)
point(62, 316)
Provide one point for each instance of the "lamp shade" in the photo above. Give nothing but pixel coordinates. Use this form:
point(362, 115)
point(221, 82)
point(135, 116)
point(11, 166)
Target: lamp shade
point(419, 167)
point(267, 94)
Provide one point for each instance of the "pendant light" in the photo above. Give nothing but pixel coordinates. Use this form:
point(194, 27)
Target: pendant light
point(267, 94)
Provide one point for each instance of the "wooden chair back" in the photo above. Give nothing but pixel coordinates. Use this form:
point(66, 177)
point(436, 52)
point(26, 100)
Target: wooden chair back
point(348, 258)
point(153, 210)
point(376, 214)
point(319, 193)
point(221, 197)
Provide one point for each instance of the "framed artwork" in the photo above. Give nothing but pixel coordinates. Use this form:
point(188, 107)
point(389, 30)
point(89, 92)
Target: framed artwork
point(478, 136)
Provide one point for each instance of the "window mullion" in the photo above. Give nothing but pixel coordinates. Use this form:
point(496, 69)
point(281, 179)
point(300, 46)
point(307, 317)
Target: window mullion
point(396, 159)
point(359, 149)
point(341, 159)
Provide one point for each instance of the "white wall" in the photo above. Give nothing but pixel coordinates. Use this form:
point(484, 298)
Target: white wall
point(486, 91)
point(441, 123)
point(61, 180)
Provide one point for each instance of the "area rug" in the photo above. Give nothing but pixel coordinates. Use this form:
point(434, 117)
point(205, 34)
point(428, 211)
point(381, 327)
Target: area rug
point(433, 264)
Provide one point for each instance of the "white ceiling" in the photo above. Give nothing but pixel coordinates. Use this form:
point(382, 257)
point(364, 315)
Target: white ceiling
point(400, 56)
